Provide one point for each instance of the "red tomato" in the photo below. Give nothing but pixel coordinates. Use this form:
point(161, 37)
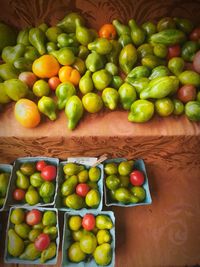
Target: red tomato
point(195, 34)
point(137, 178)
point(187, 93)
point(33, 217)
point(42, 242)
point(40, 165)
point(88, 222)
point(196, 62)
point(49, 173)
point(19, 194)
point(82, 189)
point(54, 82)
point(173, 51)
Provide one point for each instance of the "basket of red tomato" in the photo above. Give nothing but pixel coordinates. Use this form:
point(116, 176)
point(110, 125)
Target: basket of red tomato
point(126, 183)
point(33, 181)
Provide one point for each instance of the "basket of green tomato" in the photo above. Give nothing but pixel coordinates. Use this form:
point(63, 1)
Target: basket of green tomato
point(89, 239)
point(32, 236)
point(126, 183)
point(80, 185)
point(5, 173)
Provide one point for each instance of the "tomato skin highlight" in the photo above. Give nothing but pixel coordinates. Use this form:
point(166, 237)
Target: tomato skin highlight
point(33, 217)
point(40, 165)
point(48, 173)
point(19, 194)
point(137, 178)
point(88, 222)
point(42, 242)
point(82, 189)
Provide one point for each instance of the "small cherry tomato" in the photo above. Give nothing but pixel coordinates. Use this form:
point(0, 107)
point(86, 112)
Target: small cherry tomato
point(82, 189)
point(33, 217)
point(42, 242)
point(48, 173)
point(54, 82)
point(88, 222)
point(107, 31)
point(187, 93)
point(19, 194)
point(195, 34)
point(137, 178)
point(40, 165)
point(173, 51)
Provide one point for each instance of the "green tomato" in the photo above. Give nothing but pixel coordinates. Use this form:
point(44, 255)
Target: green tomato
point(178, 107)
point(164, 106)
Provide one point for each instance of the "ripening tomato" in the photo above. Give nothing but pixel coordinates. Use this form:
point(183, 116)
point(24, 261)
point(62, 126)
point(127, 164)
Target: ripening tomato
point(40, 165)
point(88, 222)
point(48, 173)
point(107, 31)
point(187, 93)
point(173, 51)
point(33, 217)
point(82, 189)
point(54, 82)
point(42, 242)
point(19, 194)
point(137, 178)
point(28, 77)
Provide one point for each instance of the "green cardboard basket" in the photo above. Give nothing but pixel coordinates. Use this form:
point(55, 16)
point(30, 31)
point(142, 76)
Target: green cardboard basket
point(10, 259)
point(67, 239)
point(6, 168)
point(17, 163)
point(87, 161)
point(139, 165)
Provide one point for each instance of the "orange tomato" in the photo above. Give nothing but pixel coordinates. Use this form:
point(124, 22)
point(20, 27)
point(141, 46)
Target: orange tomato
point(69, 74)
point(53, 82)
point(107, 31)
point(46, 66)
point(26, 113)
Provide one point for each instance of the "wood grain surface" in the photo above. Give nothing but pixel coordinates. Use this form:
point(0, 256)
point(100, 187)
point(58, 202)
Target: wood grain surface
point(165, 233)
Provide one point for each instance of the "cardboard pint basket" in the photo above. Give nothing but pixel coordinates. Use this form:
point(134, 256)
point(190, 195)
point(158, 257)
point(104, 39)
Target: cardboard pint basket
point(87, 162)
point(67, 240)
point(138, 165)
point(16, 166)
point(10, 259)
point(7, 168)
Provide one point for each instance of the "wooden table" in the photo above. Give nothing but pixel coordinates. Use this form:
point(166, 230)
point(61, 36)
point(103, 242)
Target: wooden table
point(165, 233)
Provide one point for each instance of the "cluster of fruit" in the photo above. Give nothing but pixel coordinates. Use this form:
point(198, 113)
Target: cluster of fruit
point(80, 188)
point(90, 238)
point(35, 182)
point(124, 183)
point(4, 181)
point(32, 235)
point(142, 68)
